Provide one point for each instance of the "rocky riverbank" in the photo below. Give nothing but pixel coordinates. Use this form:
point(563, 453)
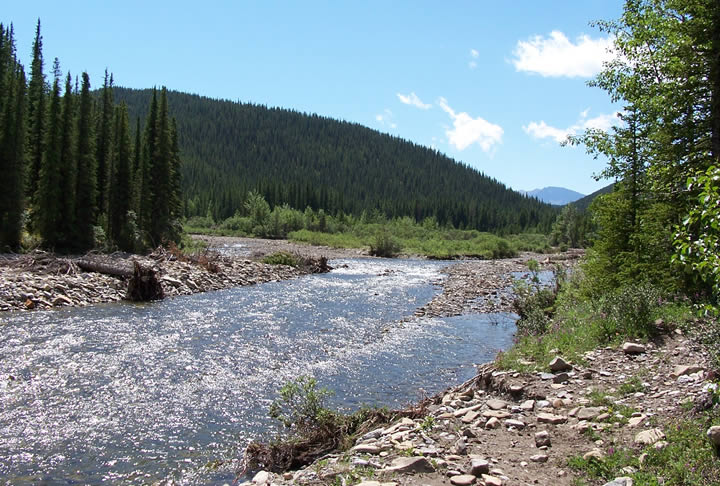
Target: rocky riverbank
point(507, 428)
point(42, 280)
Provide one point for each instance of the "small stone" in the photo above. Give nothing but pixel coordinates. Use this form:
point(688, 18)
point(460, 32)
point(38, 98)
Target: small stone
point(493, 423)
point(366, 449)
point(603, 417)
point(416, 464)
point(463, 480)
point(498, 414)
point(494, 404)
point(589, 413)
point(478, 467)
point(263, 477)
point(491, 480)
point(623, 481)
point(460, 447)
point(539, 458)
point(542, 438)
point(559, 364)
point(660, 445)
point(681, 370)
point(517, 424)
point(713, 434)
point(633, 348)
point(550, 418)
point(561, 378)
point(648, 437)
point(470, 417)
point(527, 405)
point(596, 454)
point(635, 421)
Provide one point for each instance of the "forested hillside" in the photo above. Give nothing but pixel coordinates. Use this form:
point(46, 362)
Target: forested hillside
point(230, 148)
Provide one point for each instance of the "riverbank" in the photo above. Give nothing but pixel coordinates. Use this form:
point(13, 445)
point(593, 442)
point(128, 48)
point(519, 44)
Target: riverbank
point(42, 280)
point(571, 421)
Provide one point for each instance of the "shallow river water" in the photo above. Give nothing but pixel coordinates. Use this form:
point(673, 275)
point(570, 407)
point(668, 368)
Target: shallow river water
point(174, 390)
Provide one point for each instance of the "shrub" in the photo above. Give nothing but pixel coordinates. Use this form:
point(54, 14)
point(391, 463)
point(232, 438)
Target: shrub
point(629, 311)
point(384, 245)
point(282, 258)
point(301, 405)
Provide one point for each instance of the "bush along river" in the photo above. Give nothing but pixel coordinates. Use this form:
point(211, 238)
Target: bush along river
point(174, 390)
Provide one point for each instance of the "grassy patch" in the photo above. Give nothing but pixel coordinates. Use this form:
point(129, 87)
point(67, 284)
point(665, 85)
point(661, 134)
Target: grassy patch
point(282, 258)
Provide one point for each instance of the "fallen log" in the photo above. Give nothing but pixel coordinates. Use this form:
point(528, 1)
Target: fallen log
point(143, 284)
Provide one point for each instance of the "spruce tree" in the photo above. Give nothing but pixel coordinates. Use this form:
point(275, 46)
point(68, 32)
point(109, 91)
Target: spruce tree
point(12, 149)
point(145, 199)
point(67, 168)
point(48, 194)
point(103, 148)
point(160, 176)
point(120, 186)
point(36, 114)
point(85, 182)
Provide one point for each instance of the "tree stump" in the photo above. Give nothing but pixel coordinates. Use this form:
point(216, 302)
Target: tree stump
point(143, 285)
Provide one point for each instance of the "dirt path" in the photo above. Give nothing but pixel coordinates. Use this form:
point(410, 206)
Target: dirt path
point(520, 429)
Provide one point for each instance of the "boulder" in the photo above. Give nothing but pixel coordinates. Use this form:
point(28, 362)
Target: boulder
point(589, 413)
point(542, 438)
point(478, 467)
point(681, 370)
point(494, 404)
point(539, 458)
point(549, 418)
point(463, 480)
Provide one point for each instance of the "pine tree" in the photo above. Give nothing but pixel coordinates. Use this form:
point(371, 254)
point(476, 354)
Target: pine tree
point(12, 150)
point(120, 186)
point(48, 194)
point(85, 185)
point(36, 114)
point(104, 141)
point(160, 176)
point(67, 168)
point(145, 199)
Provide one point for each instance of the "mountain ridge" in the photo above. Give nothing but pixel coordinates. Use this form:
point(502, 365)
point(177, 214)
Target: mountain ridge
point(557, 196)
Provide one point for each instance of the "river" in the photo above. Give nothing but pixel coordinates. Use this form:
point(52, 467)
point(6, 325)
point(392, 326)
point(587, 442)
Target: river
point(172, 391)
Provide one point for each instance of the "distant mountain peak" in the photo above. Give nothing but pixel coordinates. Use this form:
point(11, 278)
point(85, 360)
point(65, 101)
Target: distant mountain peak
point(559, 196)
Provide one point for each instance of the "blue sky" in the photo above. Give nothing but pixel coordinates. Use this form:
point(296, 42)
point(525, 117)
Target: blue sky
point(492, 84)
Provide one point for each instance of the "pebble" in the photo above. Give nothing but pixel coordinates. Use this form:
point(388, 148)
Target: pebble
point(633, 348)
point(559, 364)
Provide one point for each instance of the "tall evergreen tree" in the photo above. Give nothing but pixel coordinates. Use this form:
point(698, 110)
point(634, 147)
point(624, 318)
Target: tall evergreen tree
point(12, 149)
point(145, 183)
point(67, 168)
point(36, 114)
point(85, 182)
point(103, 147)
point(48, 195)
point(120, 186)
point(161, 176)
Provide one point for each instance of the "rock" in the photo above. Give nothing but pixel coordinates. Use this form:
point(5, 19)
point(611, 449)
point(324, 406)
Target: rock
point(648, 437)
point(498, 414)
point(62, 300)
point(517, 424)
point(596, 454)
point(493, 423)
point(539, 458)
point(713, 434)
point(549, 418)
point(263, 477)
point(367, 449)
point(527, 405)
point(494, 404)
point(377, 483)
point(542, 404)
point(623, 481)
point(635, 421)
point(463, 480)
point(470, 417)
point(589, 413)
point(417, 464)
point(491, 480)
point(561, 378)
point(542, 438)
point(478, 467)
point(681, 370)
point(460, 447)
point(559, 364)
point(373, 434)
point(633, 348)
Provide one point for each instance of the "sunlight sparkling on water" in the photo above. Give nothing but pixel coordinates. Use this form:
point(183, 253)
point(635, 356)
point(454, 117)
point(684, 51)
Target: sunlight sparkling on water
point(157, 391)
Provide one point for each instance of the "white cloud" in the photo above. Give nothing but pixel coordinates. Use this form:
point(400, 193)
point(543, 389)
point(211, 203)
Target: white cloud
point(542, 130)
point(385, 119)
point(474, 53)
point(557, 56)
point(472, 64)
point(413, 100)
point(467, 130)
